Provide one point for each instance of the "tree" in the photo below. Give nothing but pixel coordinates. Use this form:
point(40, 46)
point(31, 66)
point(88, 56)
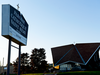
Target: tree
point(24, 67)
point(38, 62)
point(10, 64)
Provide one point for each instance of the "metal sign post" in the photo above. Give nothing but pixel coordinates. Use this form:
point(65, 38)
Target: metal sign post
point(19, 56)
point(14, 28)
point(19, 59)
point(9, 51)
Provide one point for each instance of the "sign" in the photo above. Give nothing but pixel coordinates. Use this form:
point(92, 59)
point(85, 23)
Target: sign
point(14, 25)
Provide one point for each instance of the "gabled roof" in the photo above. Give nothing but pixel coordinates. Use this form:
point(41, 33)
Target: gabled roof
point(79, 53)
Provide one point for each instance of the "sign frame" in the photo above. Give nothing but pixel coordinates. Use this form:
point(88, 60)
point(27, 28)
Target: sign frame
point(14, 25)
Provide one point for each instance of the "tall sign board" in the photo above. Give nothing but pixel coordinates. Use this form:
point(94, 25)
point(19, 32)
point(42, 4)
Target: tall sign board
point(14, 25)
point(14, 28)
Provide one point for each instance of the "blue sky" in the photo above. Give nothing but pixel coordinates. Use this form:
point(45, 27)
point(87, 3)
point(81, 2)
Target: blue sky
point(55, 23)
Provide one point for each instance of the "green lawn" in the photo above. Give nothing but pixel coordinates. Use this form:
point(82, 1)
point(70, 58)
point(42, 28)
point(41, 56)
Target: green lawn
point(36, 74)
point(81, 73)
point(71, 73)
point(33, 74)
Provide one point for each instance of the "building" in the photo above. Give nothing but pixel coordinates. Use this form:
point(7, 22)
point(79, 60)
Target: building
point(84, 55)
point(4, 70)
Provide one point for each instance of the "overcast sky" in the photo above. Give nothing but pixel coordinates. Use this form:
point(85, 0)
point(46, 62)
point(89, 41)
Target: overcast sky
point(54, 23)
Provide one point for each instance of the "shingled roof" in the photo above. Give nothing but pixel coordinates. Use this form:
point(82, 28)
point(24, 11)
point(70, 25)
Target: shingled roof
point(79, 53)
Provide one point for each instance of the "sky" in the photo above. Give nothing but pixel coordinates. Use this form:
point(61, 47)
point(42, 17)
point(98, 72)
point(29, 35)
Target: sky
point(54, 23)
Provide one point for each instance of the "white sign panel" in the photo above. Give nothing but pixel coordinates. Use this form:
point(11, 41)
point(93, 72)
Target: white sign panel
point(14, 25)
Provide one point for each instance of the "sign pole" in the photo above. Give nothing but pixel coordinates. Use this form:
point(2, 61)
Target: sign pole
point(19, 59)
point(9, 51)
point(10, 17)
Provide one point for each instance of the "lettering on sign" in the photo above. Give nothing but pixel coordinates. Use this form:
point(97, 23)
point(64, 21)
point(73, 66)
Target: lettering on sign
point(18, 22)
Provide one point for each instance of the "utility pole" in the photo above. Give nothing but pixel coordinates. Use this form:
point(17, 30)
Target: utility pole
point(3, 66)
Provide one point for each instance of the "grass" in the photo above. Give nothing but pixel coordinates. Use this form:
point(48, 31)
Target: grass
point(36, 74)
point(80, 73)
point(71, 73)
point(33, 74)
point(9, 74)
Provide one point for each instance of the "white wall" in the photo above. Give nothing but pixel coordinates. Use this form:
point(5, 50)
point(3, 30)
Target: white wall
point(65, 67)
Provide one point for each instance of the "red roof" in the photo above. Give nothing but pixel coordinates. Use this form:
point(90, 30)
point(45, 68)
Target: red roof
point(79, 53)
